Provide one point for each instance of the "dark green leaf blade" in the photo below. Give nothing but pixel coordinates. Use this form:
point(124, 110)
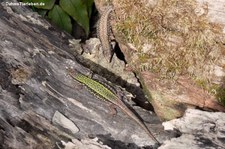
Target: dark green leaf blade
point(89, 4)
point(42, 12)
point(77, 9)
point(60, 18)
point(43, 4)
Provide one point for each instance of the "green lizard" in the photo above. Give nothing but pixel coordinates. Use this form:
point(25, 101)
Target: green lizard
point(107, 95)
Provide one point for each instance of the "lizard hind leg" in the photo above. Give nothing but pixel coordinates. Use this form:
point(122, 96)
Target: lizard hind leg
point(112, 52)
point(113, 110)
point(101, 53)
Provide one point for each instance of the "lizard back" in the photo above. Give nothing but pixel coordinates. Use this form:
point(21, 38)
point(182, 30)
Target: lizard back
point(96, 87)
point(103, 31)
point(106, 94)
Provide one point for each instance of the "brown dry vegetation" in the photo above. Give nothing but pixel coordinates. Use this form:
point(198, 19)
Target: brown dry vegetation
point(172, 38)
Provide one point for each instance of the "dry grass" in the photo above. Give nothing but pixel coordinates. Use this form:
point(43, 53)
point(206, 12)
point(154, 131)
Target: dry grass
point(178, 40)
point(172, 39)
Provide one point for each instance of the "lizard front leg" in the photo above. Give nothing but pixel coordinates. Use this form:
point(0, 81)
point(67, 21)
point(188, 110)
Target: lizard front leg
point(113, 110)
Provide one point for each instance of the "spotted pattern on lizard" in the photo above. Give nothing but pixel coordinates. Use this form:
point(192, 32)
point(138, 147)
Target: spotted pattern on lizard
point(103, 32)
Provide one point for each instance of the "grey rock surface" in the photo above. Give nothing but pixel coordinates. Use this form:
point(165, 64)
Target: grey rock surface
point(200, 129)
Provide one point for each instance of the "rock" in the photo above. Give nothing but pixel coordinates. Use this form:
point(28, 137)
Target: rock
point(184, 67)
point(171, 98)
point(200, 129)
point(59, 119)
point(84, 143)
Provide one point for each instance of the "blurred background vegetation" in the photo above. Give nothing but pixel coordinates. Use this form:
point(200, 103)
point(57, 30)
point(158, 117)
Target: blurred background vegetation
point(63, 12)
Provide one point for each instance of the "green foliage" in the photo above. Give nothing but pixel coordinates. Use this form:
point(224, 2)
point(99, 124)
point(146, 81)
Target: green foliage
point(89, 4)
point(42, 12)
point(48, 4)
point(78, 10)
point(60, 15)
point(220, 95)
point(61, 18)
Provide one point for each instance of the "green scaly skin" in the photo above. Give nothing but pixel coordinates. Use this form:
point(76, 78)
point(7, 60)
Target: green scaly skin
point(106, 94)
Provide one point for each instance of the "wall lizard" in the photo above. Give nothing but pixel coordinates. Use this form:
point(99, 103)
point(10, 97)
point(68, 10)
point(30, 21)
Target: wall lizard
point(107, 95)
point(103, 31)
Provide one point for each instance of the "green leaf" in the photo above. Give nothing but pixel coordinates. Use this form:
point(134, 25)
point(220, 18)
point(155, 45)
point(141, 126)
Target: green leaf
point(60, 18)
point(24, 0)
point(44, 4)
point(48, 4)
point(89, 4)
point(42, 12)
point(77, 9)
point(29, 1)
